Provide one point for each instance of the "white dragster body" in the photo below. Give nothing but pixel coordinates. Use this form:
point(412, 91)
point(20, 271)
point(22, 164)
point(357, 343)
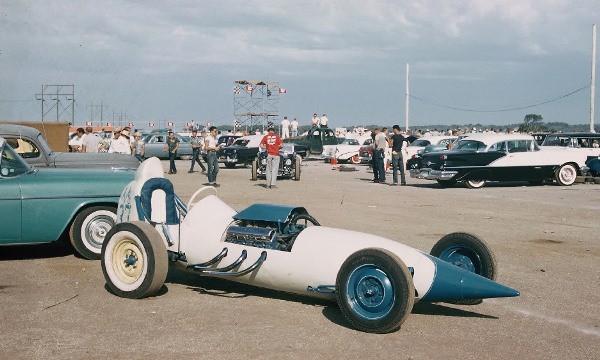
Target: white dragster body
point(375, 280)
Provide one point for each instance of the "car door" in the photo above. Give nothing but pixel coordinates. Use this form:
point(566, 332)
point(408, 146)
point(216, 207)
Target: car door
point(524, 163)
point(10, 204)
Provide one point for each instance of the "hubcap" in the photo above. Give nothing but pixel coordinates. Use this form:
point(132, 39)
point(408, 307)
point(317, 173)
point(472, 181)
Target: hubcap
point(370, 292)
point(462, 257)
point(127, 261)
point(95, 230)
point(567, 175)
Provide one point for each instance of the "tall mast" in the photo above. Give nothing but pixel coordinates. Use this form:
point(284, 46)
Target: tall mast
point(407, 95)
point(593, 83)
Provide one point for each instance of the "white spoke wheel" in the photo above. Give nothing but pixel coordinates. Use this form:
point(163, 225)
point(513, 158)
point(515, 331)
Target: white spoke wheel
point(134, 260)
point(475, 184)
point(89, 229)
point(355, 159)
point(566, 175)
point(375, 291)
point(469, 252)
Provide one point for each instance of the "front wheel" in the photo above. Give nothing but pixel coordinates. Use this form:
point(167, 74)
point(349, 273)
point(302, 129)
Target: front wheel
point(469, 252)
point(134, 260)
point(566, 175)
point(475, 184)
point(229, 165)
point(254, 175)
point(375, 291)
point(89, 229)
point(297, 168)
point(355, 159)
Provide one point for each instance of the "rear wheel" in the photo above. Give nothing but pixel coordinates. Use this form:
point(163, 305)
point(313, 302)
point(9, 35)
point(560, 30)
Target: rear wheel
point(355, 159)
point(469, 252)
point(475, 184)
point(566, 175)
point(89, 229)
point(375, 291)
point(229, 165)
point(134, 260)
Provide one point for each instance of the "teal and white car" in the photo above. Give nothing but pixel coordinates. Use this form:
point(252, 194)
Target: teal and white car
point(39, 205)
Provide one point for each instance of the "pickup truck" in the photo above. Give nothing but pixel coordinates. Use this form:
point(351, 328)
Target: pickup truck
point(315, 138)
point(33, 148)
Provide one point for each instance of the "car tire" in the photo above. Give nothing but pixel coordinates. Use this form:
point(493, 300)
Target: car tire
point(469, 252)
point(229, 166)
point(254, 175)
point(134, 260)
point(375, 291)
point(446, 183)
point(475, 184)
point(566, 175)
point(355, 159)
point(89, 229)
point(298, 168)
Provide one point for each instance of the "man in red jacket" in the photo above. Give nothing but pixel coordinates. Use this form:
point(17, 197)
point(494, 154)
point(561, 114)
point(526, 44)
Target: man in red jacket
point(272, 143)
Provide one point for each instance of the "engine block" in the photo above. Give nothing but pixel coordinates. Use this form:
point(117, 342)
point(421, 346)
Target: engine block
point(252, 236)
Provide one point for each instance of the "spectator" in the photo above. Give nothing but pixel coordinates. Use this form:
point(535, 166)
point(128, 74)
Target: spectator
point(91, 142)
point(171, 146)
point(315, 121)
point(294, 125)
point(138, 147)
point(379, 155)
point(119, 144)
point(211, 147)
point(197, 146)
point(324, 120)
point(272, 143)
point(80, 136)
point(397, 143)
point(285, 128)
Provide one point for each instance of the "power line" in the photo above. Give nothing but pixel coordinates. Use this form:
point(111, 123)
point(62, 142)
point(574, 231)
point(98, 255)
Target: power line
point(501, 110)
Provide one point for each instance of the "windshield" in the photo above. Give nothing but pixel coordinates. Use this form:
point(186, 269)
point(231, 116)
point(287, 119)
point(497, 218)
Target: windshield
point(470, 145)
point(11, 164)
point(555, 140)
point(420, 142)
point(350, 142)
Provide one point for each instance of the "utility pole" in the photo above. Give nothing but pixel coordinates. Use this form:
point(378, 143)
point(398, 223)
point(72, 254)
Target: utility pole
point(94, 112)
point(407, 95)
point(54, 93)
point(593, 83)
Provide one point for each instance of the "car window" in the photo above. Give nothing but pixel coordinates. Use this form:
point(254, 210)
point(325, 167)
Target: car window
point(420, 142)
point(499, 146)
point(445, 141)
point(11, 164)
point(24, 147)
point(350, 142)
point(316, 133)
point(519, 146)
point(159, 139)
point(241, 142)
point(470, 145)
point(368, 142)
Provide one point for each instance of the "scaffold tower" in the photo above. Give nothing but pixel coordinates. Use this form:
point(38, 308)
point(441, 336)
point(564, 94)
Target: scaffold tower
point(255, 104)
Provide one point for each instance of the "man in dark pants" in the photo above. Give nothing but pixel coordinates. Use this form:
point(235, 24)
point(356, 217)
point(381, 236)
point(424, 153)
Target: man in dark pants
point(197, 146)
point(373, 160)
point(171, 146)
point(397, 142)
point(379, 154)
point(211, 146)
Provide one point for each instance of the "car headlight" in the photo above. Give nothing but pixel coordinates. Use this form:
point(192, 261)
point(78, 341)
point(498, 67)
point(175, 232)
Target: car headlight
point(288, 162)
point(263, 161)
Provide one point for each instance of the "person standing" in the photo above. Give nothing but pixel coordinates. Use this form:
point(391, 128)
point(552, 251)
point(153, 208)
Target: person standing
point(315, 121)
point(211, 147)
point(397, 144)
point(379, 154)
point(138, 147)
point(294, 124)
point(285, 128)
point(272, 143)
point(91, 142)
point(171, 146)
point(119, 144)
point(197, 146)
point(324, 120)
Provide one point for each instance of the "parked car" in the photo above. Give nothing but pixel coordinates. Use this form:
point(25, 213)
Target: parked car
point(154, 146)
point(40, 204)
point(289, 164)
point(302, 150)
point(491, 157)
point(374, 280)
point(424, 141)
point(31, 145)
point(586, 143)
point(348, 150)
point(226, 140)
point(243, 151)
point(315, 138)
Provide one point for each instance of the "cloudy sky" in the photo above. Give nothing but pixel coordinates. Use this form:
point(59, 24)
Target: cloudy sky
point(149, 60)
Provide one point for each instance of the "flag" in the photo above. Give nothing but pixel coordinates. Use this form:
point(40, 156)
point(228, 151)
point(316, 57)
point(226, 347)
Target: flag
point(249, 88)
point(130, 124)
point(282, 91)
point(88, 123)
point(150, 124)
point(237, 124)
point(108, 124)
point(236, 90)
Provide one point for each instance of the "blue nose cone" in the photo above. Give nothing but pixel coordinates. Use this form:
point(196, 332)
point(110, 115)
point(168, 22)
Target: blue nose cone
point(453, 283)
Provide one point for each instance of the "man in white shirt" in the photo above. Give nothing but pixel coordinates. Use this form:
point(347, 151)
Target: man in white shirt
point(380, 145)
point(119, 144)
point(315, 121)
point(324, 120)
point(91, 142)
point(285, 128)
point(294, 124)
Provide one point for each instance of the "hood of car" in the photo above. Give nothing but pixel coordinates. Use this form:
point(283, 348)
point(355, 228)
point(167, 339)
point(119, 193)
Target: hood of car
point(93, 160)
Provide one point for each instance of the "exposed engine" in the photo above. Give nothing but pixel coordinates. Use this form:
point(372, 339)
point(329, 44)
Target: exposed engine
point(262, 234)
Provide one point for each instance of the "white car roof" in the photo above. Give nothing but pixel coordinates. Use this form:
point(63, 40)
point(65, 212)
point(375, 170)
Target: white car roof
point(253, 140)
point(491, 138)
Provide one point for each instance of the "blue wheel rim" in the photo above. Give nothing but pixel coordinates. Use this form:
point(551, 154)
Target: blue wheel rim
point(463, 257)
point(370, 292)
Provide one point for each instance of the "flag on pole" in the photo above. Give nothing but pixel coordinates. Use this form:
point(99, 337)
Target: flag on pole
point(170, 124)
point(130, 124)
point(150, 124)
point(249, 88)
point(88, 123)
point(108, 124)
point(282, 91)
point(236, 90)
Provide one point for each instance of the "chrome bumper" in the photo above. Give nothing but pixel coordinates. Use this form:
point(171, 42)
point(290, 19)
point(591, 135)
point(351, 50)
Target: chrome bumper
point(431, 174)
